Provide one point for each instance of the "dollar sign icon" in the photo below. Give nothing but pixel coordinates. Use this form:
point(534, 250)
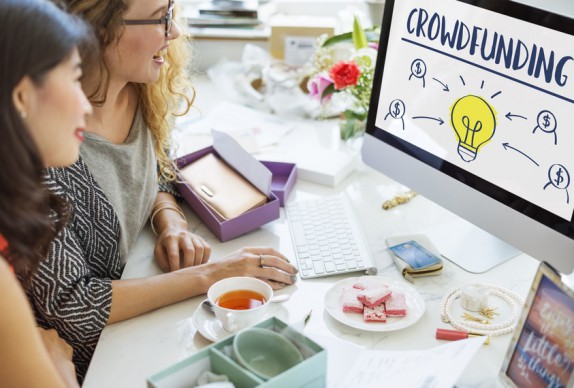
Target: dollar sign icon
point(397, 110)
point(418, 70)
point(546, 119)
point(559, 178)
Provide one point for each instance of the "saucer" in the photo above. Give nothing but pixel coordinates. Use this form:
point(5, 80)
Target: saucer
point(415, 306)
point(209, 327)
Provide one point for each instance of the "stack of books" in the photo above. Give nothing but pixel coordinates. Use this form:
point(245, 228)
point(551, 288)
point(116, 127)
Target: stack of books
point(231, 13)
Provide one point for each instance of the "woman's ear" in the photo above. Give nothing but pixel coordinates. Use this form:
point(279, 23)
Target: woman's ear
point(21, 96)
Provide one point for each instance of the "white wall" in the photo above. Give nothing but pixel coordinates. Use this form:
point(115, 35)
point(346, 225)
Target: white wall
point(564, 7)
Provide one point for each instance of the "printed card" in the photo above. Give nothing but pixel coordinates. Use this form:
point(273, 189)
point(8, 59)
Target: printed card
point(415, 254)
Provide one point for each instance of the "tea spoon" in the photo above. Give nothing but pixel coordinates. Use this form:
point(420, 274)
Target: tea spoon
point(206, 304)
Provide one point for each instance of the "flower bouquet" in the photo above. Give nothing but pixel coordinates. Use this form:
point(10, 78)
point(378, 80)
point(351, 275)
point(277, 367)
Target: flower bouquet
point(342, 76)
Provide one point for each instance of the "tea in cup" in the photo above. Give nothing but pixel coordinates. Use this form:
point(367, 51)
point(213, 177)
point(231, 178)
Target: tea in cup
point(239, 302)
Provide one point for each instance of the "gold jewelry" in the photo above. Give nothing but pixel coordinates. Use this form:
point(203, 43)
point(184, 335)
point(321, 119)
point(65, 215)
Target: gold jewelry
point(172, 206)
point(492, 329)
point(261, 260)
point(470, 317)
point(399, 200)
point(488, 312)
point(162, 202)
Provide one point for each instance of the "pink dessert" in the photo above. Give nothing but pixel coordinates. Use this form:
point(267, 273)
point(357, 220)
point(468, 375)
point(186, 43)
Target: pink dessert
point(365, 282)
point(373, 297)
point(376, 314)
point(350, 302)
point(396, 305)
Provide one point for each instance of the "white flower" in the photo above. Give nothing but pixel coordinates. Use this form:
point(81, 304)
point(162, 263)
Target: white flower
point(367, 57)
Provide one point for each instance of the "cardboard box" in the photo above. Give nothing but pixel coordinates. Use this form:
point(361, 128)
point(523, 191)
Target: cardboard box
point(291, 27)
point(324, 166)
point(312, 372)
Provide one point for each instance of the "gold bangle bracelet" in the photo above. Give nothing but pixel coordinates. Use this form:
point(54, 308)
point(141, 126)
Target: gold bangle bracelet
point(174, 208)
point(163, 202)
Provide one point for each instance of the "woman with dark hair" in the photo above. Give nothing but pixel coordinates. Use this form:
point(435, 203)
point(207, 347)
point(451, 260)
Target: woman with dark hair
point(42, 115)
point(123, 179)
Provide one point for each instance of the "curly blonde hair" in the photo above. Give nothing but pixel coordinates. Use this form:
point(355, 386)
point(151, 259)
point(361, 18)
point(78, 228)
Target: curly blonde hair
point(160, 102)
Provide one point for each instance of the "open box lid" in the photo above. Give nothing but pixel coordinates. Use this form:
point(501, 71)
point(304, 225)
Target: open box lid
point(243, 162)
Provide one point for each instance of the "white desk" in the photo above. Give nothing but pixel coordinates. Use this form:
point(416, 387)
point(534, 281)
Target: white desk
point(128, 352)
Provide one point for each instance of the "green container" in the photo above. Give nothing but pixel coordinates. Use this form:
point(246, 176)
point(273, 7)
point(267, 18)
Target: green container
point(310, 373)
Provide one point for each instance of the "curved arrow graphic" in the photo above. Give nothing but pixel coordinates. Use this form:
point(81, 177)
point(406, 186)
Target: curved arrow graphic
point(509, 116)
point(440, 121)
point(445, 86)
point(507, 146)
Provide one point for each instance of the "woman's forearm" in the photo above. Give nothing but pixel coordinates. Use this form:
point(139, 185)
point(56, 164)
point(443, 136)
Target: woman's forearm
point(133, 297)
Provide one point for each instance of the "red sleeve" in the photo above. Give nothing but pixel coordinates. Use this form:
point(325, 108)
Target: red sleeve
point(3, 247)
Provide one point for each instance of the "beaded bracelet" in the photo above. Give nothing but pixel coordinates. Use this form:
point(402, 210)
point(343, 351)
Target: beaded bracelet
point(175, 208)
point(496, 329)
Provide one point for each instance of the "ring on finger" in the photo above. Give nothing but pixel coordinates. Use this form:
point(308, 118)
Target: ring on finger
point(261, 263)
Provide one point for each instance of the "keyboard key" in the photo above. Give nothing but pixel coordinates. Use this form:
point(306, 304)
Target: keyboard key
point(330, 266)
point(299, 235)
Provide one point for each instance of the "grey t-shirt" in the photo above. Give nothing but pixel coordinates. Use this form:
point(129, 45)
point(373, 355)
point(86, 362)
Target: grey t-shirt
point(127, 174)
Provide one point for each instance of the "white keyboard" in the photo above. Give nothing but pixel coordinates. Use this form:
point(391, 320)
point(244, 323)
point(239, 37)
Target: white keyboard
point(327, 238)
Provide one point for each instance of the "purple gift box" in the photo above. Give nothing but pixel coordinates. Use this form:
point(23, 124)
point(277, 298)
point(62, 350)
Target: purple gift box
point(283, 180)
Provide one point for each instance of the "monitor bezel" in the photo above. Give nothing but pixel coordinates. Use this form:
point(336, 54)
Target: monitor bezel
point(506, 7)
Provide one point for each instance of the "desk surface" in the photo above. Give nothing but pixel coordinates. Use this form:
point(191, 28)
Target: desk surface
point(130, 351)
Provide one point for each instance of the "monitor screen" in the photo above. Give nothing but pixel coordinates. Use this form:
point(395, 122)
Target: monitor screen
point(472, 106)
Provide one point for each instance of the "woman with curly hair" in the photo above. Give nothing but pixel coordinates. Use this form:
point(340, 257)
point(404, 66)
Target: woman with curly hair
point(42, 116)
point(124, 175)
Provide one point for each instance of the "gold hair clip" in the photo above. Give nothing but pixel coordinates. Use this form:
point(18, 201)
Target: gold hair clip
point(470, 317)
point(399, 199)
point(488, 312)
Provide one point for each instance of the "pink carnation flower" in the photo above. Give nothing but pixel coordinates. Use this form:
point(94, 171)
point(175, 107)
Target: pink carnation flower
point(317, 86)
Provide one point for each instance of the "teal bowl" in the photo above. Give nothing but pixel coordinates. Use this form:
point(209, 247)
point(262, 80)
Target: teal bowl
point(265, 352)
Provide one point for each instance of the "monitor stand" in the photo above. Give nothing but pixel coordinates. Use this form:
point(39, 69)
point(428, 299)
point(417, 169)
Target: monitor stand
point(470, 247)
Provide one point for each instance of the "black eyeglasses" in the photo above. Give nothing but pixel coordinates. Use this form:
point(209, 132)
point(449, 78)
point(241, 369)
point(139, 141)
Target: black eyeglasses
point(167, 20)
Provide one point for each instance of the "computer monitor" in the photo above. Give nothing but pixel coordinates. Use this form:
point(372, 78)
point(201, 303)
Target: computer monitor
point(473, 107)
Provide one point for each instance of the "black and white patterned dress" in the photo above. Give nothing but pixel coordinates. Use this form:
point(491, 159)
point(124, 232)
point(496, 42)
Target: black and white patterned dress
point(72, 290)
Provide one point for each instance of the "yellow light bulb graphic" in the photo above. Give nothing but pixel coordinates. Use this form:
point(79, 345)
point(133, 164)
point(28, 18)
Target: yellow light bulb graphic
point(474, 123)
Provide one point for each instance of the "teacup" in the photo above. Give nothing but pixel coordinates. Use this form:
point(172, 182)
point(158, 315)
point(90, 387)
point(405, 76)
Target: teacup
point(265, 352)
point(239, 302)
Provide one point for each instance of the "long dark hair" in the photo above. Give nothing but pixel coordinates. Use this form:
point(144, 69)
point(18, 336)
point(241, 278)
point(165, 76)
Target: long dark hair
point(35, 36)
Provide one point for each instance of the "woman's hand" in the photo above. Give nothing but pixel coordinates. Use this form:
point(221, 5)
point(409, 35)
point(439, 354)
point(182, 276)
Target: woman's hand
point(61, 355)
point(264, 263)
point(178, 248)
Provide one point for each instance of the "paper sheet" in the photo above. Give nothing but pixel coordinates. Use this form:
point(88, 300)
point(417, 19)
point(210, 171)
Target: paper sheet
point(439, 367)
point(254, 129)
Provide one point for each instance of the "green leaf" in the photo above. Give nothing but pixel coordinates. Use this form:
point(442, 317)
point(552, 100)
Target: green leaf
point(372, 35)
point(352, 115)
point(359, 38)
point(329, 90)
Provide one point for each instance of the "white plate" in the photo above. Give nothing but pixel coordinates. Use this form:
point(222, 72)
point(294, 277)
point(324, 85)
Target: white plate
point(211, 328)
point(415, 306)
